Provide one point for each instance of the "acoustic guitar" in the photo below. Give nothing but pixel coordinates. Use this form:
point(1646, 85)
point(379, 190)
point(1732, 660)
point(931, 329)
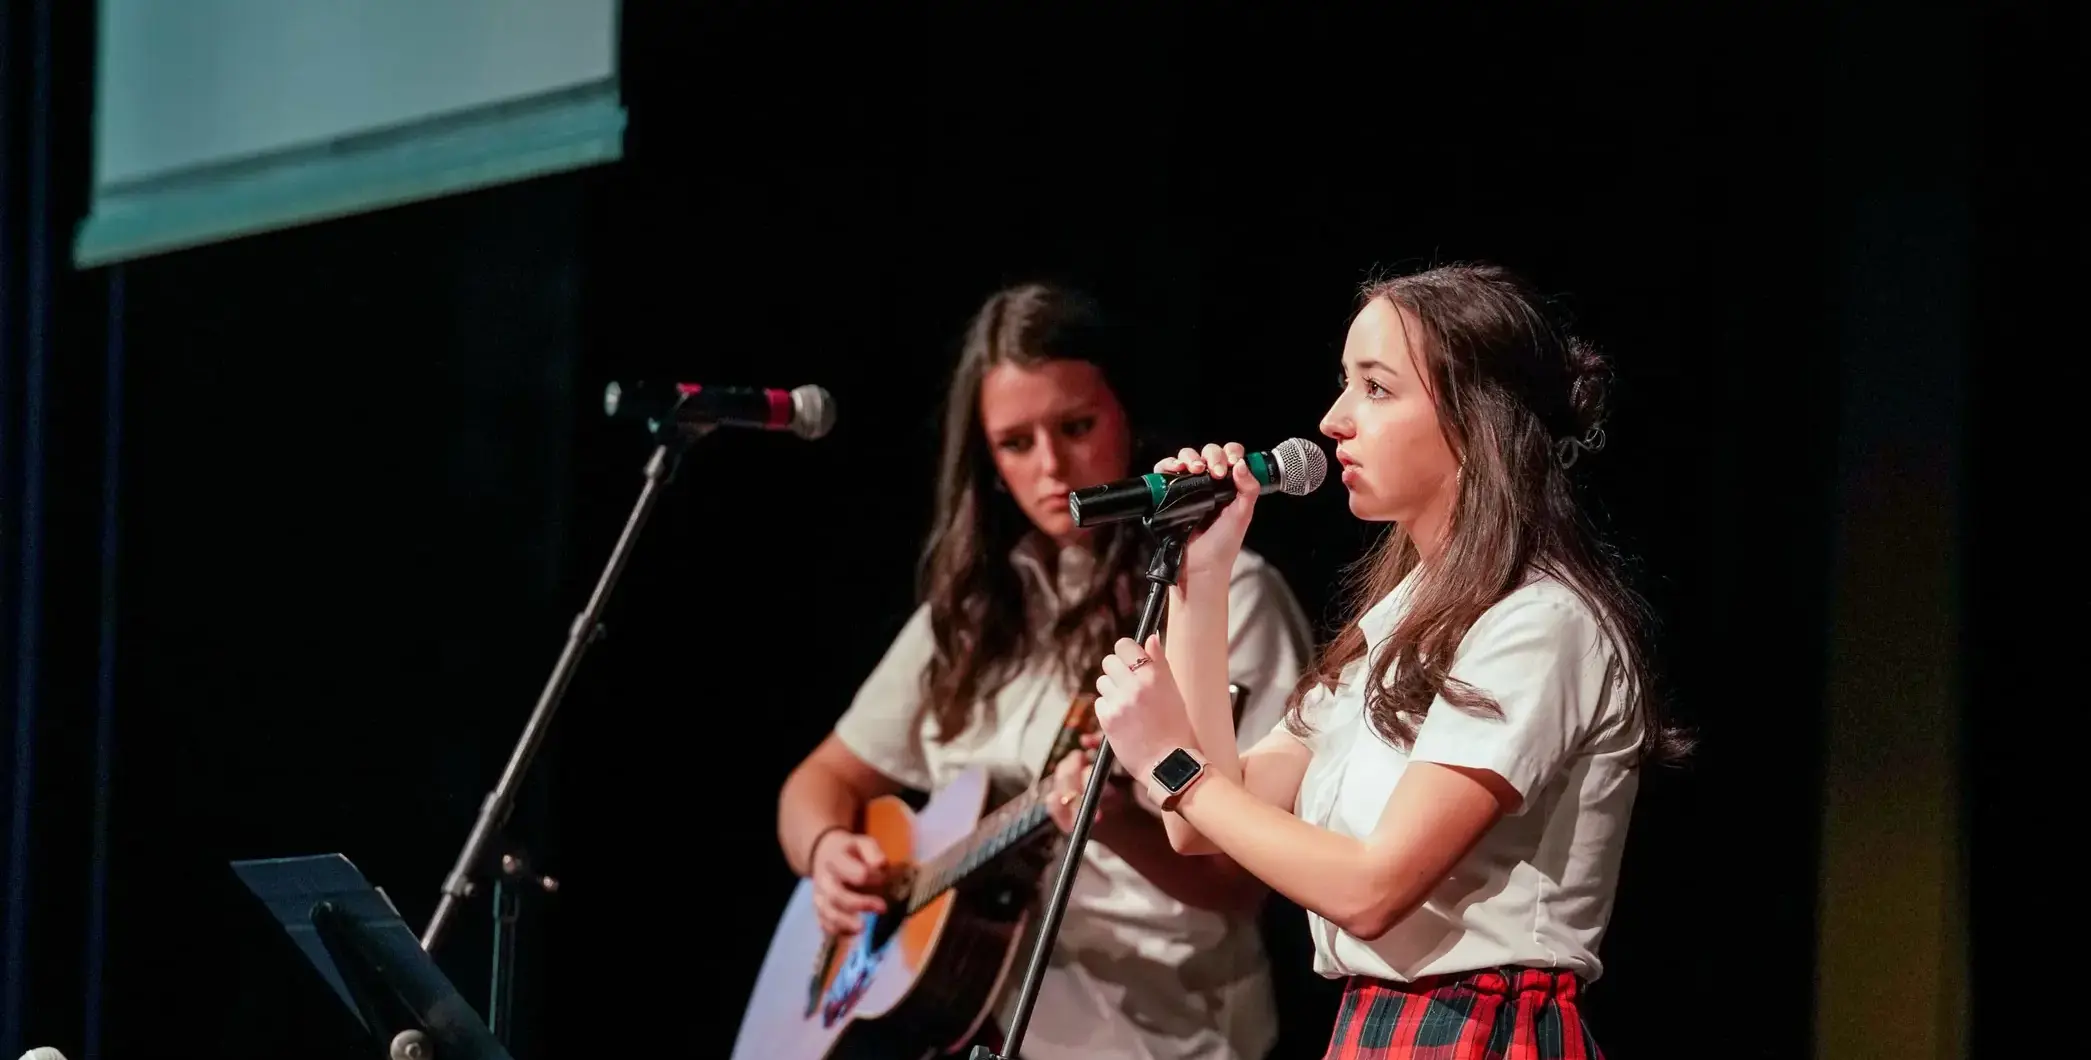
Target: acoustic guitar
point(922, 977)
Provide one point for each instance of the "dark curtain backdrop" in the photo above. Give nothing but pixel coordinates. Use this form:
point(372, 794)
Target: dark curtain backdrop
point(313, 509)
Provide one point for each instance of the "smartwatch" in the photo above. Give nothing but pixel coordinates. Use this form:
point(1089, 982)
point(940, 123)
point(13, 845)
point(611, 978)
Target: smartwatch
point(1175, 773)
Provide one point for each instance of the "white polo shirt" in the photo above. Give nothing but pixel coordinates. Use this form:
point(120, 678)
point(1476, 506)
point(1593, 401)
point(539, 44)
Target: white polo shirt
point(1537, 889)
point(1135, 973)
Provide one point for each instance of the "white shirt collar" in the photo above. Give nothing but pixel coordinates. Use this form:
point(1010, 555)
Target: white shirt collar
point(1378, 621)
point(1074, 568)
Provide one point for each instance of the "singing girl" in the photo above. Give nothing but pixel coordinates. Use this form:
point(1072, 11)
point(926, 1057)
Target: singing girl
point(1450, 792)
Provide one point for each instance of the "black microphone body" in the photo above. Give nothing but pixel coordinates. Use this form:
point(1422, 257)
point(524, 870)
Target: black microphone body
point(808, 411)
point(1294, 466)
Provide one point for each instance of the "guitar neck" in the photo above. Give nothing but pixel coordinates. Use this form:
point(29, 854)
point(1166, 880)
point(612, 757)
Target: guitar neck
point(1011, 825)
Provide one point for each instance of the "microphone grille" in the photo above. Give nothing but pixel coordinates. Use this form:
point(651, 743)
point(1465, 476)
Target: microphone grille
point(1301, 466)
point(812, 412)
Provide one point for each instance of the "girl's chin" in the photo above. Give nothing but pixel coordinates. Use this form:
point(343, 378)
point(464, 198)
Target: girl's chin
point(1363, 506)
point(1058, 525)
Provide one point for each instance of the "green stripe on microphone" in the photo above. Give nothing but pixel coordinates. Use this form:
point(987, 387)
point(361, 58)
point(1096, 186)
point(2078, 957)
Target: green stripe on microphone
point(1263, 467)
point(1157, 488)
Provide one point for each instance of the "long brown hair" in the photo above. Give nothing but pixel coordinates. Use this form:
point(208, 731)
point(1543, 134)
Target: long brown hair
point(1516, 395)
point(977, 611)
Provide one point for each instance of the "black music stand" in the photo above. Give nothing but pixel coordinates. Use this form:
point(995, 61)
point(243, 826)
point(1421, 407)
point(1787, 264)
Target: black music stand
point(355, 939)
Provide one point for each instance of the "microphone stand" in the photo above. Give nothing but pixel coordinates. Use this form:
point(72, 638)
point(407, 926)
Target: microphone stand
point(1171, 530)
point(511, 870)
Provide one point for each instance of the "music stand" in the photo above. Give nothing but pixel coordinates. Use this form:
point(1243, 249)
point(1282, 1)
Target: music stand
point(350, 933)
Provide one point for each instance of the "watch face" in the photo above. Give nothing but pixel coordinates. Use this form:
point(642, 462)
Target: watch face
point(1176, 770)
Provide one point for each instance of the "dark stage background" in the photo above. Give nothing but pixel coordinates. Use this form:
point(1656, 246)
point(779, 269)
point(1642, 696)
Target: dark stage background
point(362, 483)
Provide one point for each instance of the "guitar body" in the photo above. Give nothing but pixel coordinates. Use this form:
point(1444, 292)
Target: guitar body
point(909, 986)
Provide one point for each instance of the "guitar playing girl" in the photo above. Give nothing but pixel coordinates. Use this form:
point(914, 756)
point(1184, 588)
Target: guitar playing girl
point(1159, 956)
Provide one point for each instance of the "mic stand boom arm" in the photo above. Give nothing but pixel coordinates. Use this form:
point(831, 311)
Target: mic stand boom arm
point(511, 868)
point(1171, 529)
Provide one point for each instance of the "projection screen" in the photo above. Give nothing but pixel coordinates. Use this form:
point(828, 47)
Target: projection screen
point(216, 119)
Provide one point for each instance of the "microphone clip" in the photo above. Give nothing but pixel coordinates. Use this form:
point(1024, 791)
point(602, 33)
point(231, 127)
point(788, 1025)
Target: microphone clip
point(672, 429)
point(1187, 503)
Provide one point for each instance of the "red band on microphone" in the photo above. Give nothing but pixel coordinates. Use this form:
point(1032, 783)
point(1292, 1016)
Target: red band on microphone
point(778, 401)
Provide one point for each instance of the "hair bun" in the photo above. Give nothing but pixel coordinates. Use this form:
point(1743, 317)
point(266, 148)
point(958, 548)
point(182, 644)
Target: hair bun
point(1589, 383)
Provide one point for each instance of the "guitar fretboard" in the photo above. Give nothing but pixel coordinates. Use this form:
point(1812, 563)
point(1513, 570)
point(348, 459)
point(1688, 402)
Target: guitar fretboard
point(1010, 824)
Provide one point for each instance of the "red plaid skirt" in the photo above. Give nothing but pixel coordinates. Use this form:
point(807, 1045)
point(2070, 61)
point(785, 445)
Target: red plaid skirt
point(1505, 1014)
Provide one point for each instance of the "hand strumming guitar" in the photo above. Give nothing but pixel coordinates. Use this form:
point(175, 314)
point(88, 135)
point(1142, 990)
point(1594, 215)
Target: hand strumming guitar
point(1070, 780)
point(849, 875)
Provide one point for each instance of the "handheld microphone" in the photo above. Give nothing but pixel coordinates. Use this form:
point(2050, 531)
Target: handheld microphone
point(808, 411)
point(1295, 466)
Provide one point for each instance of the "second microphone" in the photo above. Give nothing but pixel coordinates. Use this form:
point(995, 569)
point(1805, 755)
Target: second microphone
point(806, 411)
